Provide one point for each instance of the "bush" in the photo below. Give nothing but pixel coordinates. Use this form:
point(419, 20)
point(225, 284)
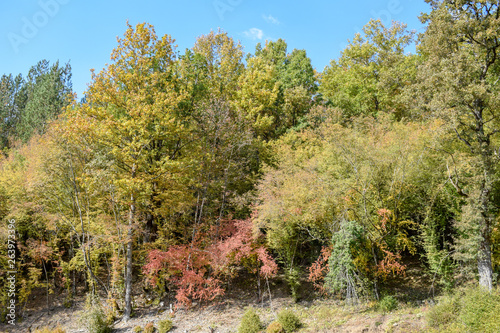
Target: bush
point(46, 329)
point(250, 322)
point(289, 321)
point(444, 312)
point(149, 328)
point(165, 325)
point(94, 318)
point(469, 310)
point(292, 277)
point(138, 329)
point(274, 327)
point(388, 303)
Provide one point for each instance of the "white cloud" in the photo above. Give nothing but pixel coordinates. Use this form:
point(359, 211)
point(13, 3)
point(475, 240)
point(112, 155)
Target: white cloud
point(254, 33)
point(270, 19)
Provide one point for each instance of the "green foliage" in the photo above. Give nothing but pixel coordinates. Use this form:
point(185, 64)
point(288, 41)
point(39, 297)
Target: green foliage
point(369, 76)
point(289, 320)
point(459, 50)
point(388, 303)
point(48, 93)
point(28, 104)
point(93, 318)
point(274, 327)
point(276, 89)
point(342, 275)
point(292, 277)
point(138, 329)
point(165, 326)
point(378, 173)
point(469, 310)
point(13, 97)
point(250, 322)
point(444, 312)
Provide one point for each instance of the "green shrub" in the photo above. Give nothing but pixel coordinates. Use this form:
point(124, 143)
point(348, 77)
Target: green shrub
point(292, 277)
point(289, 321)
point(250, 322)
point(469, 310)
point(443, 312)
point(94, 317)
point(149, 328)
point(388, 303)
point(165, 325)
point(138, 329)
point(274, 327)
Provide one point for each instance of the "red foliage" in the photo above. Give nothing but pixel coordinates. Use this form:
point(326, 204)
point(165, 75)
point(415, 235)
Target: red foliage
point(157, 260)
point(390, 264)
point(189, 267)
point(242, 248)
point(385, 217)
point(320, 268)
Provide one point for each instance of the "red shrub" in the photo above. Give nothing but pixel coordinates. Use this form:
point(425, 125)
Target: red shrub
point(189, 267)
point(319, 269)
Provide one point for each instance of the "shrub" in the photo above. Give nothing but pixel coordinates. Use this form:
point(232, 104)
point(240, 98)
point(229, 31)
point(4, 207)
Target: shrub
point(274, 327)
point(289, 321)
point(149, 328)
point(388, 303)
point(165, 325)
point(250, 322)
point(292, 277)
point(94, 318)
point(46, 329)
point(138, 329)
point(479, 311)
point(469, 310)
point(443, 312)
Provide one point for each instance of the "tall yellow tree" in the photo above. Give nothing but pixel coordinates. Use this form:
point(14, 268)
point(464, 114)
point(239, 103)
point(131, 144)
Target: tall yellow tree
point(219, 63)
point(132, 113)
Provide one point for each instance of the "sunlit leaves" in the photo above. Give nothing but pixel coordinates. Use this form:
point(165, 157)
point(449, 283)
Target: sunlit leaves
point(372, 72)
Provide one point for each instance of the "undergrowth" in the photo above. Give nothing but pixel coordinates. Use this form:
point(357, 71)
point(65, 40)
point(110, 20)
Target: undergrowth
point(466, 310)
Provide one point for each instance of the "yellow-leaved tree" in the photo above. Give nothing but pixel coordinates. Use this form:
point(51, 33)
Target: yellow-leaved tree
point(132, 116)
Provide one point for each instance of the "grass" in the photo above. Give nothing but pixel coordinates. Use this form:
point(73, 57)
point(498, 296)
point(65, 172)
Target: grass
point(466, 310)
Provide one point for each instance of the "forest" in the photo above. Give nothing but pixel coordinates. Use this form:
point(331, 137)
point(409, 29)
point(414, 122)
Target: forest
point(181, 171)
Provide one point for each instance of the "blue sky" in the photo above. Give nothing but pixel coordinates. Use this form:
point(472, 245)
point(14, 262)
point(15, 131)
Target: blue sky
point(84, 32)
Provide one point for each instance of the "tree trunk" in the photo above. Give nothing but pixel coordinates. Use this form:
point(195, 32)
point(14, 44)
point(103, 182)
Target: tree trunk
point(128, 271)
point(484, 266)
point(150, 229)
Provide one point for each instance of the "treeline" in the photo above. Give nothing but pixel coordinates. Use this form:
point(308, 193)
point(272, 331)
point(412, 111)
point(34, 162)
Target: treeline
point(184, 170)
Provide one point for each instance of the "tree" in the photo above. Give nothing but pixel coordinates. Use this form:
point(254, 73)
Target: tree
point(276, 89)
point(48, 88)
point(257, 98)
point(12, 103)
point(219, 60)
point(458, 82)
point(132, 113)
point(371, 73)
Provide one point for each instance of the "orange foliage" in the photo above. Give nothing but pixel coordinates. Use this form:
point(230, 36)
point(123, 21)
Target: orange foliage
point(390, 265)
point(191, 268)
point(319, 269)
